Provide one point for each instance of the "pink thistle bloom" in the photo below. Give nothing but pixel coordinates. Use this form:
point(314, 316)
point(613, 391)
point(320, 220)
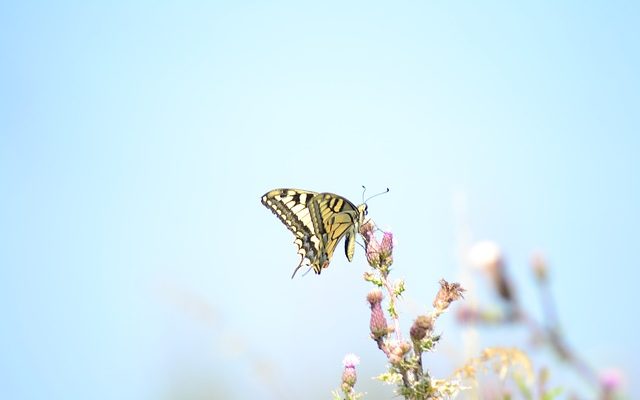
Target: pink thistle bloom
point(374, 296)
point(386, 249)
point(366, 230)
point(377, 323)
point(387, 242)
point(349, 376)
point(611, 379)
point(373, 251)
point(379, 253)
point(350, 360)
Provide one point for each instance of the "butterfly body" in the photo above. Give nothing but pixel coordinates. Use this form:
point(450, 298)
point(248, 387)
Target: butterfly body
point(318, 221)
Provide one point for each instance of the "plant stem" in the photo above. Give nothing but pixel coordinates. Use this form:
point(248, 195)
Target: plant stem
point(392, 305)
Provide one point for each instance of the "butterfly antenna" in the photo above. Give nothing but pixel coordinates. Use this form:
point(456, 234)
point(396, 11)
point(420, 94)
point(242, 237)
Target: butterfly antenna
point(364, 189)
point(375, 195)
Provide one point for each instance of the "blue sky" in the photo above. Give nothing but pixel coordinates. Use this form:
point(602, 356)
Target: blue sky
point(136, 141)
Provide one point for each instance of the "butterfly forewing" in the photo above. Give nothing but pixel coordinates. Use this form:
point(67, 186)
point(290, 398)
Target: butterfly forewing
point(290, 205)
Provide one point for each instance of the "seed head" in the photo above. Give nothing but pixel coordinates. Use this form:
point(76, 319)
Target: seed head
point(448, 293)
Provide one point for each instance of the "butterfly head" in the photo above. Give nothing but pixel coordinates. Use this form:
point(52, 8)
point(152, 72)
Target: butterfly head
point(362, 213)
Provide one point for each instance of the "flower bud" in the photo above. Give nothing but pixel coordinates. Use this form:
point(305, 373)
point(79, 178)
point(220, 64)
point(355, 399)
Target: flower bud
point(378, 323)
point(349, 376)
point(395, 359)
point(404, 347)
point(379, 253)
point(421, 326)
point(373, 252)
point(386, 249)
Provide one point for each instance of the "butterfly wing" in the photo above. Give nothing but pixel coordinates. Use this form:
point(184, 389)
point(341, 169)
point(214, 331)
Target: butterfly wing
point(339, 218)
point(318, 221)
point(292, 207)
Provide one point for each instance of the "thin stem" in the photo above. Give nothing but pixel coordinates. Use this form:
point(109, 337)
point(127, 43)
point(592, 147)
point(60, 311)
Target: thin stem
point(392, 305)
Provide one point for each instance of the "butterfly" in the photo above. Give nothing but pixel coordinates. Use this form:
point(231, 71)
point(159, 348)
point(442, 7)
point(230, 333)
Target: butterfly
point(318, 221)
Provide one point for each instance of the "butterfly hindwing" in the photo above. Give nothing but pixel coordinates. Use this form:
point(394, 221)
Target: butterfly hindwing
point(339, 218)
point(318, 220)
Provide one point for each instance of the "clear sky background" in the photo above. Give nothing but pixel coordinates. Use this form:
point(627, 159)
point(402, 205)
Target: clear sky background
point(136, 261)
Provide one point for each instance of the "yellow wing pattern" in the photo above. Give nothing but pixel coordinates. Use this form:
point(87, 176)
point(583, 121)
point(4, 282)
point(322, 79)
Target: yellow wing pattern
point(318, 221)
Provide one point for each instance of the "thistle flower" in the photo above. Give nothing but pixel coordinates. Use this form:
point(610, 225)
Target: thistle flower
point(373, 251)
point(379, 253)
point(366, 230)
point(448, 293)
point(611, 380)
point(396, 350)
point(378, 322)
point(386, 249)
point(421, 326)
point(350, 360)
point(349, 376)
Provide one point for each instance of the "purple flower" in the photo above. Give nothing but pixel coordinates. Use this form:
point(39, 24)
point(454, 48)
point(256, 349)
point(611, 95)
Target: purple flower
point(379, 253)
point(349, 376)
point(366, 230)
point(611, 380)
point(350, 360)
point(387, 242)
point(378, 322)
point(373, 251)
